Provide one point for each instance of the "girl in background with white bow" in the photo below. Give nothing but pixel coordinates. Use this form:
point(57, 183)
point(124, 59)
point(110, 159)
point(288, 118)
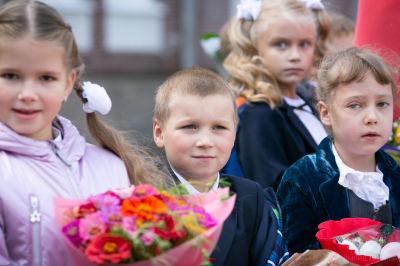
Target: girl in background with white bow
point(42, 155)
point(274, 44)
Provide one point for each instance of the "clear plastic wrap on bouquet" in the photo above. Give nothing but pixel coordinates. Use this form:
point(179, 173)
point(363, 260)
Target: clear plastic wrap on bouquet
point(190, 252)
point(361, 241)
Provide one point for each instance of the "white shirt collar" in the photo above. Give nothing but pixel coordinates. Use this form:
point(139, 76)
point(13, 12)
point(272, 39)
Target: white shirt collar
point(58, 132)
point(353, 180)
point(190, 188)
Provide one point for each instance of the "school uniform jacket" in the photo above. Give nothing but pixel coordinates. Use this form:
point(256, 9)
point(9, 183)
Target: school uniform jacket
point(310, 194)
point(250, 233)
point(269, 141)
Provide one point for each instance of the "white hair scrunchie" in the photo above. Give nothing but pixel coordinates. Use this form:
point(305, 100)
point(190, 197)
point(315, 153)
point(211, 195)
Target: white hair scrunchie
point(249, 9)
point(98, 99)
point(313, 4)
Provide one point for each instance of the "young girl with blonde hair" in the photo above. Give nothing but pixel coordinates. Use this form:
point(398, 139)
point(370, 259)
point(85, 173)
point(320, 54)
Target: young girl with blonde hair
point(42, 154)
point(274, 44)
point(349, 175)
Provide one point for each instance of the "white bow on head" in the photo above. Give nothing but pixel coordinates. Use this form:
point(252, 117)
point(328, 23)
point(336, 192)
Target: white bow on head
point(313, 4)
point(98, 99)
point(249, 9)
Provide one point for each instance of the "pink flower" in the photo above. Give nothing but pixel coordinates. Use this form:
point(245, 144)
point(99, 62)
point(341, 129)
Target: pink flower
point(124, 193)
point(111, 214)
point(91, 226)
point(146, 238)
point(129, 224)
point(141, 191)
point(204, 219)
point(71, 230)
point(107, 199)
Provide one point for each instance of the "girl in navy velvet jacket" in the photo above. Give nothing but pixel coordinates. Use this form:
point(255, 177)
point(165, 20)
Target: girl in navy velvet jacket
point(272, 51)
point(349, 176)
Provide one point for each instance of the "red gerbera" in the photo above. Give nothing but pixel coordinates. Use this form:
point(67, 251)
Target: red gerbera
point(170, 230)
point(108, 248)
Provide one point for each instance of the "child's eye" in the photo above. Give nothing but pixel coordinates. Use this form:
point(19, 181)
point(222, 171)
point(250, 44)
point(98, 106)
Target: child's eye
point(383, 104)
point(304, 44)
point(46, 78)
point(10, 76)
point(189, 127)
point(280, 45)
point(219, 127)
point(354, 106)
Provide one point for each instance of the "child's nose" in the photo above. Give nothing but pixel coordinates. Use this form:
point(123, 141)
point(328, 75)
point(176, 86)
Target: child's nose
point(294, 54)
point(28, 92)
point(204, 141)
point(371, 117)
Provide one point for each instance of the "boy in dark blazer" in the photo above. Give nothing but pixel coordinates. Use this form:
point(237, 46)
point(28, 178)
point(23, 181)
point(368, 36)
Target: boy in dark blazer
point(195, 121)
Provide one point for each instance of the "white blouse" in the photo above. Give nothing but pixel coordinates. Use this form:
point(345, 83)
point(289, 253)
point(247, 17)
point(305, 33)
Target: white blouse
point(367, 186)
point(313, 125)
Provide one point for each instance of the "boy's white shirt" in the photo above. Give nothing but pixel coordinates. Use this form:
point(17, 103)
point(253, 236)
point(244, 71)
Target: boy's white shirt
point(368, 186)
point(190, 188)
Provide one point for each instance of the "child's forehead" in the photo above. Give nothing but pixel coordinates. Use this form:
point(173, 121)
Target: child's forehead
point(184, 99)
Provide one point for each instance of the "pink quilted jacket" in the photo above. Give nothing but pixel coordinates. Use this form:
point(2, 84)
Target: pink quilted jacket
point(31, 174)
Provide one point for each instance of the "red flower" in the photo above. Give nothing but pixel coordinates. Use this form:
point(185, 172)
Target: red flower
point(169, 230)
point(108, 248)
point(81, 210)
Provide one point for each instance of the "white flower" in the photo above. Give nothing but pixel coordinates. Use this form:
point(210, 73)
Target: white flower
point(211, 45)
point(124, 193)
point(98, 99)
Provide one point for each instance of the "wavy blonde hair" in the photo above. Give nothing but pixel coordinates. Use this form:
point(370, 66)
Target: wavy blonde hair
point(41, 22)
point(244, 63)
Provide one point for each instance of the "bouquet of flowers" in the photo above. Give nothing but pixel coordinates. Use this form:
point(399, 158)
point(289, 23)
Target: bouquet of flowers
point(361, 241)
point(393, 144)
point(143, 226)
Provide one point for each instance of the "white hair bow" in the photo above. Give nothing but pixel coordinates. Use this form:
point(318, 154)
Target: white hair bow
point(98, 99)
point(249, 9)
point(313, 4)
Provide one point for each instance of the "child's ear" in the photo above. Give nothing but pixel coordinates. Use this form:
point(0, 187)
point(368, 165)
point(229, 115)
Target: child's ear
point(71, 77)
point(158, 135)
point(324, 114)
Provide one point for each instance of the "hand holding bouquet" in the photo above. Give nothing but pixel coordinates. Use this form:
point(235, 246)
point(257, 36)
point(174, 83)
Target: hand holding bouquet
point(143, 224)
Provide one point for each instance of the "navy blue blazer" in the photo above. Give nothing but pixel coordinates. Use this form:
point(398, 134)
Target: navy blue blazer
point(310, 194)
point(269, 141)
point(249, 234)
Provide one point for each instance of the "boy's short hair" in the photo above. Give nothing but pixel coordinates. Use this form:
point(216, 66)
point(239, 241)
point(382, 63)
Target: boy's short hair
point(195, 81)
point(340, 26)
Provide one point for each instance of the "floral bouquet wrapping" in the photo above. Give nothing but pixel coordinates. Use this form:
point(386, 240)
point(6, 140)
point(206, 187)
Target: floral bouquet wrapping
point(361, 241)
point(143, 226)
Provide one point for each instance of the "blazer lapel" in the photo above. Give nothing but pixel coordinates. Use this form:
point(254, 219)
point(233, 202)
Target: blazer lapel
point(335, 199)
point(298, 125)
point(334, 196)
point(297, 122)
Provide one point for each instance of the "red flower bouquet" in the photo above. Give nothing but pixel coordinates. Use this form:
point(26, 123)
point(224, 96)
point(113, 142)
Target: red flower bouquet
point(359, 240)
point(143, 226)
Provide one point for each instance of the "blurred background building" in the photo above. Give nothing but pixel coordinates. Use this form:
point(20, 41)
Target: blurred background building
point(131, 46)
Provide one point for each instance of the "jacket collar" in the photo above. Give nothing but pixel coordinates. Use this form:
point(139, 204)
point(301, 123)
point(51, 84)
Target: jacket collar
point(335, 197)
point(297, 122)
point(72, 146)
